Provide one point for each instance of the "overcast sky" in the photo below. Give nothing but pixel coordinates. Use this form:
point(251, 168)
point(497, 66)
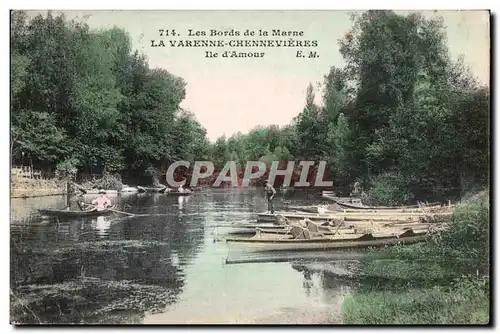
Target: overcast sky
point(230, 95)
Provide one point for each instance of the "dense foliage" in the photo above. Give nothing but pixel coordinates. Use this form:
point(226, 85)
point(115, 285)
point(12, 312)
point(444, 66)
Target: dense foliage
point(442, 281)
point(84, 99)
point(402, 118)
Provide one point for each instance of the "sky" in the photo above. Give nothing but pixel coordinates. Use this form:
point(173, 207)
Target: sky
point(229, 95)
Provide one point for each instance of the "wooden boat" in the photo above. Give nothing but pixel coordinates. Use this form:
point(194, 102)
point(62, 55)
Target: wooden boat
point(347, 216)
point(290, 215)
point(177, 193)
point(259, 244)
point(130, 190)
point(348, 229)
point(96, 191)
point(73, 214)
point(223, 229)
point(310, 208)
point(154, 189)
point(141, 189)
point(360, 206)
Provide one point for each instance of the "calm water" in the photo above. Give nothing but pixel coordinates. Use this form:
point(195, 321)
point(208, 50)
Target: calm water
point(165, 266)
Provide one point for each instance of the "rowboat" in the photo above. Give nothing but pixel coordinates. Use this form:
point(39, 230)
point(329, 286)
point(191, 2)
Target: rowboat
point(73, 214)
point(223, 229)
point(360, 206)
point(260, 244)
point(329, 229)
point(322, 209)
point(347, 216)
point(310, 208)
point(96, 191)
point(132, 190)
point(154, 189)
point(177, 193)
point(271, 217)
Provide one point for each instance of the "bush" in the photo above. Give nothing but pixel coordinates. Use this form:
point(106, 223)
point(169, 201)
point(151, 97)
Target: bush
point(109, 182)
point(468, 235)
point(388, 189)
point(442, 281)
point(67, 169)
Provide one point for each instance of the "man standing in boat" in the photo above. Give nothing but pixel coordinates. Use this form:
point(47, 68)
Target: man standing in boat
point(102, 202)
point(270, 192)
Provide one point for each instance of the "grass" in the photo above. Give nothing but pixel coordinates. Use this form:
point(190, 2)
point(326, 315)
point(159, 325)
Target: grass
point(422, 306)
point(444, 281)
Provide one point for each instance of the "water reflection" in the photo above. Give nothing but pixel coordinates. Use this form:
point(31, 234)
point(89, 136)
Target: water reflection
point(181, 200)
point(329, 279)
point(118, 261)
point(307, 284)
point(121, 269)
point(102, 225)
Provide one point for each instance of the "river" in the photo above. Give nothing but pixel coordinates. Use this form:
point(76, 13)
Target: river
point(166, 266)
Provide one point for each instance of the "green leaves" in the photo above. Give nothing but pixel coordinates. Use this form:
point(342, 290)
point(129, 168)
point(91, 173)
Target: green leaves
point(90, 98)
point(401, 111)
point(36, 135)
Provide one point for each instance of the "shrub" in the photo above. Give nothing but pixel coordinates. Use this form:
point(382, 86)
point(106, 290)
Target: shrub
point(388, 189)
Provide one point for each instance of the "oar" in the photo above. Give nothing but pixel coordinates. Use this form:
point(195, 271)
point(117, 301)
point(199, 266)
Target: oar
point(122, 212)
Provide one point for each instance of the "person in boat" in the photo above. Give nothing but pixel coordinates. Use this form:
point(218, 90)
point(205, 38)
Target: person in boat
point(102, 202)
point(81, 203)
point(270, 192)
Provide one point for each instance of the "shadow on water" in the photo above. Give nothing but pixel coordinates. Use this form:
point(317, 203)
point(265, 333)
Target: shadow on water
point(119, 269)
point(108, 269)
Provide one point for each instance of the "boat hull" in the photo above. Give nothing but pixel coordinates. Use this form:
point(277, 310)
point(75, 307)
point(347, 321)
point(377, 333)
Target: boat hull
point(154, 190)
point(96, 192)
point(73, 214)
point(349, 216)
point(174, 193)
point(343, 204)
point(247, 229)
point(130, 190)
point(256, 245)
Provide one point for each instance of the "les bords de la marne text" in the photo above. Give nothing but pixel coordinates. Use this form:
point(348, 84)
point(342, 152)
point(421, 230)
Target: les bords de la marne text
point(236, 40)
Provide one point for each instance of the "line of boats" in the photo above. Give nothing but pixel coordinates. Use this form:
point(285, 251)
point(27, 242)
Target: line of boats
point(342, 228)
point(342, 225)
point(138, 190)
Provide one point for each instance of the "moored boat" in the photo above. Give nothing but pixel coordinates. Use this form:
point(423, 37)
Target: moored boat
point(96, 191)
point(154, 189)
point(271, 217)
point(141, 189)
point(311, 208)
point(178, 193)
point(260, 244)
point(348, 216)
point(356, 204)
point(130, 190)
point(346, 229)
point(224, 229)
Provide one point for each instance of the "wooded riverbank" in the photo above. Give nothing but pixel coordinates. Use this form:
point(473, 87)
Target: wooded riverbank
point(443, 281)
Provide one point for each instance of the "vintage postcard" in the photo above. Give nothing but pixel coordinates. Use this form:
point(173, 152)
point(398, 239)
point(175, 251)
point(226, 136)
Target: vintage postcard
point(250, 167)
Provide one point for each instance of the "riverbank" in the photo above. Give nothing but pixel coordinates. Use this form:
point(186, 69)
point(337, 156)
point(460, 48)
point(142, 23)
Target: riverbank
point(27, 188)
point(444, 281)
